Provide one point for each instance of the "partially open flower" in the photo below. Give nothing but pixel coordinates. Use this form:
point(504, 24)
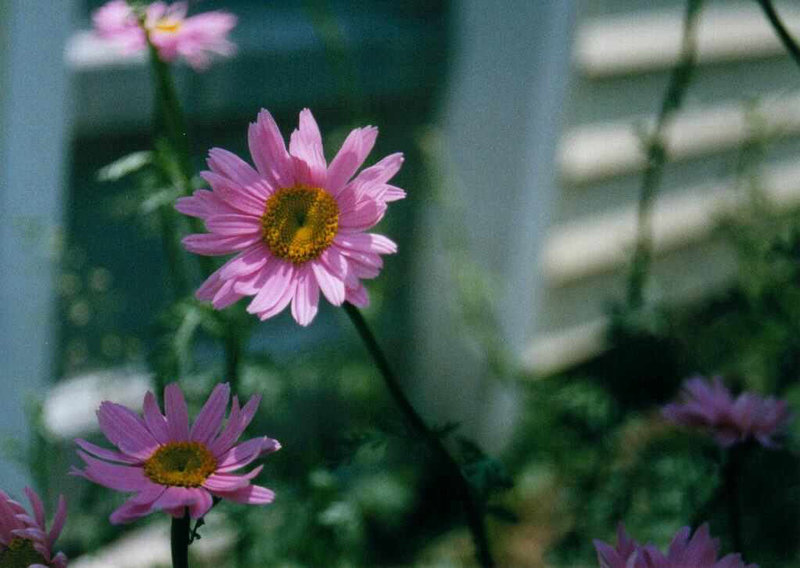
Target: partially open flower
point(174, 34)
point(24, 539)
point(685, 551)
point(711, 407)
point(171, 467)
point(298, 224)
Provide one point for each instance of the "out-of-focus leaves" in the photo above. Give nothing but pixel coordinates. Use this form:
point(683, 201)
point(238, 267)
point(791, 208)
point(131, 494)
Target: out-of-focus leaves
point(164, 197)
point(125, 166)
point(485, 474)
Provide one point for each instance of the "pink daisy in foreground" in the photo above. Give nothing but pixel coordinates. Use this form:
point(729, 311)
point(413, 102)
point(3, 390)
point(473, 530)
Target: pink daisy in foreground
point(298, 224)
point(711, 407)
point(195, 38)
point(171, 467)
point(685, 551)
point(24, 539)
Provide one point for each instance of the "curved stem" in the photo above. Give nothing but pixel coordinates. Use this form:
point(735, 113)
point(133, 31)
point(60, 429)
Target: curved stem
point(783, 33)
point(179, 540)
point(472, 509)
point(656, 156)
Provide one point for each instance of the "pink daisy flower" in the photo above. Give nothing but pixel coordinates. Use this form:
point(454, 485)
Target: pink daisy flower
point(195, 39)
point(24, 539)
point(171, 467)
point(298, 224)
point(699, 551)
point(710, 406)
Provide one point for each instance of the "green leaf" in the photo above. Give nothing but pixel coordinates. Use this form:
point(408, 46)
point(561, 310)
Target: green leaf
point(125, 166)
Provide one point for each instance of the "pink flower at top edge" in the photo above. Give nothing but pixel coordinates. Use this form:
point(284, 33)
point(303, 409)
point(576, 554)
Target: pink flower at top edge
point(711, 407)
point(685, 551)
point(24, 537)
point(297, 224)
point(174, 34)
point(170, 466)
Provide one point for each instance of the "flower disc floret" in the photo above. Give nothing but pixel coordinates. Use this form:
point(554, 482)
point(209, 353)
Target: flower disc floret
point(20, 554)
point(181, 464)
point(299, 223)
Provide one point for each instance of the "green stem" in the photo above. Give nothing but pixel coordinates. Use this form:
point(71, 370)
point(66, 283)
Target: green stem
point(473, 511)
point(780, 29)
point(656, 156)
point(171, 121)
point(233, 352)
point(731, 475)
point(179, 540)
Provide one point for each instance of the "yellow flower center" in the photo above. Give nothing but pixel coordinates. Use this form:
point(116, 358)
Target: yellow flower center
point(299, 223)
point(169, 26)
point(181, 464)
point(20, 554)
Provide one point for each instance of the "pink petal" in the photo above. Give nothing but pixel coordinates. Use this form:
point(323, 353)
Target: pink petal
point(209, 420)
point(354, 151)
point(249, 199)
point(129, 512)
point(177, 414)
point(154, 420)
point(366, 242)
point(306, 298)
point(269, 151)
point(117, 477)
point(227, 482)
point(277, 290)
point(250, 495)
point(231, 225)
point(358, 296)
point(242, 455)
point(109, 455)
point(365, 215)
point(126, 430)
point(331, 286)
point(58, 521)
point(197, 500)
point(210, 244)
point(231, 166)
point(305, 144)
point(37, 506)
point(237, 422)
point(246, 262)
point(370, 181)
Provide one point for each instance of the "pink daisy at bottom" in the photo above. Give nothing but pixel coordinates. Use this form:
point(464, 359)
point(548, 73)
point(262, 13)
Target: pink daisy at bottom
point(171, 467)
point(297, 224)
point(685, 551)
point(24, 539)
point(174, 34)
point(709, 405)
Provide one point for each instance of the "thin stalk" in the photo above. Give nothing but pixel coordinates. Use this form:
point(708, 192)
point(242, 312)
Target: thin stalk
point(171, 121)
point(780, 29)
point(732, 496)
point(656, 156)
point(179, 540)
point(473, 511)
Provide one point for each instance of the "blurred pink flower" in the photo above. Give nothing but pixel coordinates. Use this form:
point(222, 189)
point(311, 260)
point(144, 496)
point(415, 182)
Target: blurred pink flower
point(710, 406)
point(24, 539)
point(298, 224)
point(624, 555)
point(171, 467)
point(195, 38)
point(699, 551)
